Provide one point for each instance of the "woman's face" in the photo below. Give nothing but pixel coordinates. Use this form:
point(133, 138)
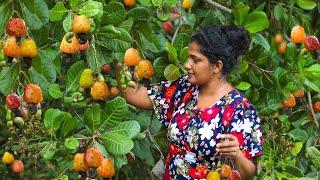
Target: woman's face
point(200, 70)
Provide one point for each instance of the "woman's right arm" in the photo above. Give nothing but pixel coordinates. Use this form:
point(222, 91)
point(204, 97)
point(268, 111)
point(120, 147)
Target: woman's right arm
point(137, 97)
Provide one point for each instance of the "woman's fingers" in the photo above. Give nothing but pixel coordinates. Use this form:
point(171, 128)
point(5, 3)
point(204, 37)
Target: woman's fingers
point(227, 136)
point(228, 140)
point(229, 146)
point(228, 150)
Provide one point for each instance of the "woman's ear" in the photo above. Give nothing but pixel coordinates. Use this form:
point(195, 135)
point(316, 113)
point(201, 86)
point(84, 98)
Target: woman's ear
point(218, 66)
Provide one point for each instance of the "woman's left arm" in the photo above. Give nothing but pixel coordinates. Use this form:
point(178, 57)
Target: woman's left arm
point(229, 147)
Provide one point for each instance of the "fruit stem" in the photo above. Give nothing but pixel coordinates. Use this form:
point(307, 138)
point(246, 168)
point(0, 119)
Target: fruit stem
point(25, 75)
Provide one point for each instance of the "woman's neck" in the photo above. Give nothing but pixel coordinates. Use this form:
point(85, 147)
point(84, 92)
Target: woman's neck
point(215, 87)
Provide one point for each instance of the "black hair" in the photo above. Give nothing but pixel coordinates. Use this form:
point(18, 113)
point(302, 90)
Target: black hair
point(225, 43)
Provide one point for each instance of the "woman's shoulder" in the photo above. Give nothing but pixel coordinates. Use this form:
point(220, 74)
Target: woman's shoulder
point(242, 101)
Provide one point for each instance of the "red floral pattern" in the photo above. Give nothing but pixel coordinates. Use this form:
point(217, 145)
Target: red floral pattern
point(193, 133)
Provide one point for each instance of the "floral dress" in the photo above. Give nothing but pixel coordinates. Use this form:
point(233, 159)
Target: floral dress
point(193, 133)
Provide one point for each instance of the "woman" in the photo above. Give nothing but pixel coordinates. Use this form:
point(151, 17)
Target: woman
point(205, 115)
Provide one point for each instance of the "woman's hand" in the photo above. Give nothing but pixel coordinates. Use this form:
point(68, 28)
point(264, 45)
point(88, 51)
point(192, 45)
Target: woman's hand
point(136, 96)
point(229, 146)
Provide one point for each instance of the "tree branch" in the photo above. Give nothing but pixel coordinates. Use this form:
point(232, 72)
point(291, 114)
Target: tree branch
point(265, 72)
point(311, 110)
point(217, 5)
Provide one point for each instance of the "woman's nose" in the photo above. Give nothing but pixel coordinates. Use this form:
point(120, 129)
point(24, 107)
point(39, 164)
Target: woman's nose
point(187, 65)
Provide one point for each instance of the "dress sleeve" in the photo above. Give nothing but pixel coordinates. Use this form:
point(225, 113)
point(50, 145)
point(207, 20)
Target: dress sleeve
point(245, 125)
point(163, 99)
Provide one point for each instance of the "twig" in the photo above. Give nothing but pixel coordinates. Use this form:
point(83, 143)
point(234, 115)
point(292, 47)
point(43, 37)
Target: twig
point(217, 5)
point(177, 30)
point(311, 110)
point(62, 172)
point(151, 136)
point(265, 72)
point(259, 68)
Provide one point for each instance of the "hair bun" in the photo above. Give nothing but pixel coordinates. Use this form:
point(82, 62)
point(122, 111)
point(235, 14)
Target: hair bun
point(238, 38)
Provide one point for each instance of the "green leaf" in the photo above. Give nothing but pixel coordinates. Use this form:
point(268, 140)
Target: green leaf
point(139, 13)
point(181, 41)
point(101, 148)
point(172, 72)
point(172, 54)
point(96, 58)
point(240, 12)
point(128, 128)
point(115, 13)
point(41, 80)
point(148, 40)
point(120, 160)
point(145, 2)
point(67, 23)
point(298, 135)
point(256, 21)
point(259, 39)
point(43, 64)
point(92, 117)
point(306, 4)
point(117, 143)
point(73, 3)
point(49, 150)
point(312, 85)
point(40, 36)
point(5, 13)
point(69, 123)
point(127, 24)
point(52, 120)
point(71, 143)
point(159, 66)
point(297, 148)
point(35, 13)
point(243, 86)
point(114, 112)
point(183, 55)
point(162, 13)
point(145, 30)
point(156, 2)
point(313, 71)
point(171, 3)
point(73, 76)
point(92, 9)
point(142, 149)
point(109, 32)
point(244, 66)
point(64, 177)
point(8, 79)
point(119, 44)
point(57, 12)
point(293, 170)
point(54, 91)
point(278, 11)
point(290, 51)
point(269, 109)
